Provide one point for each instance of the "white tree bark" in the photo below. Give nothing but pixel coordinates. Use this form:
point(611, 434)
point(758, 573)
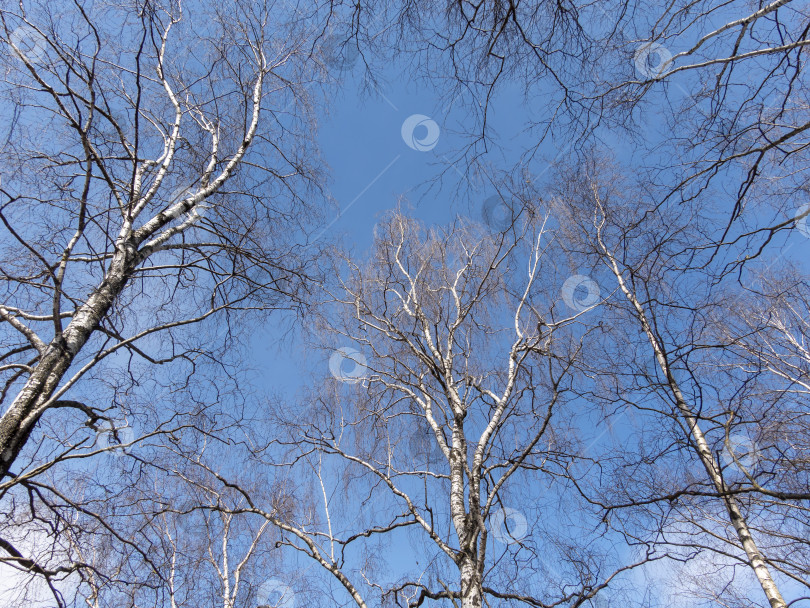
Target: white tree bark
point(133, 246)
point(710, 464)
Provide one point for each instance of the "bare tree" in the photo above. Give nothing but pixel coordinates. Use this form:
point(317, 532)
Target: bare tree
point(718, 87)
point(445, 426)
point(765, 327)
point(154, 178)
point(669, 358)
point(166, 207)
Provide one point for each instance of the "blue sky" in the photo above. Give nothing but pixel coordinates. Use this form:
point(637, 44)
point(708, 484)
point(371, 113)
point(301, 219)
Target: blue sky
point(372, 167)
point(372, 170)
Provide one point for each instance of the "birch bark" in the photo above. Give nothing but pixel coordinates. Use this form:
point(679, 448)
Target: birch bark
point(709, 462)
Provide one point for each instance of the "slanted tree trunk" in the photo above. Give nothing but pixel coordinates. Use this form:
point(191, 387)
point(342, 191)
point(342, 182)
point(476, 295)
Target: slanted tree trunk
point(132, 244)
point(19, 420)
point(704, 453)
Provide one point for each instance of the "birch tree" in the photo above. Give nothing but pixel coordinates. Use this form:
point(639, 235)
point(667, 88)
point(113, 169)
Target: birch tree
point(446, 426)
point(670, 359)
point(136, 215)
point(710, 96)
point(156, 165)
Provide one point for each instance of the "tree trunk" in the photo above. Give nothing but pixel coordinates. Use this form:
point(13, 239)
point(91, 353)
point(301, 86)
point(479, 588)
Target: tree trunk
point(755, 559)
point(17, 423)
point(470, 584)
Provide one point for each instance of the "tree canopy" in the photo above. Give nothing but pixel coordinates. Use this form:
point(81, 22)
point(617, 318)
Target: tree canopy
point(560, 360)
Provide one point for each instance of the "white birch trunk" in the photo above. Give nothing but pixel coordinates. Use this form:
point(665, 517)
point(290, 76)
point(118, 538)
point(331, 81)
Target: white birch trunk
point(470, 583)
point(19, 420)
point(755, 559)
